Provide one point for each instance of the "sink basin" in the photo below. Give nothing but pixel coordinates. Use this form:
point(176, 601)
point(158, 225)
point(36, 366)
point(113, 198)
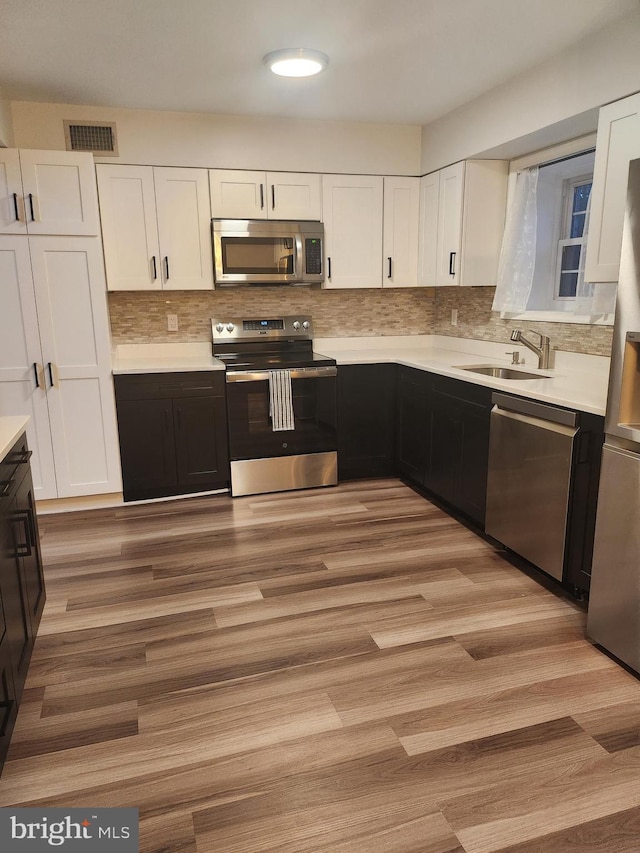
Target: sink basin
point(504, 372)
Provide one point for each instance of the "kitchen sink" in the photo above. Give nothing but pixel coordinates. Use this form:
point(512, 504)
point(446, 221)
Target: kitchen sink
point(504, 372)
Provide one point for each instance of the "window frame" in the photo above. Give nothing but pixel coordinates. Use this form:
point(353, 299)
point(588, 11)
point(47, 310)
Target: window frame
point(542, 157)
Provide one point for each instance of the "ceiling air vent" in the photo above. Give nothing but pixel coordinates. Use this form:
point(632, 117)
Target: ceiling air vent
point(99, 137)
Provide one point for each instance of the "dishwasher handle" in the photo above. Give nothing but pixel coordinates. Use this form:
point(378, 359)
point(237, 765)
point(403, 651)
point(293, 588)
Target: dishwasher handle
point(533, 409)
point(539, 423)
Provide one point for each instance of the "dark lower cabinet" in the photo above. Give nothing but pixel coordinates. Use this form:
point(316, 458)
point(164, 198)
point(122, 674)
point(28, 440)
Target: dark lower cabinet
point(413, 423)
point(443, 438)
point(459, 452)
point(173, 433)
point(585, 479)
point(22, 589)
point(366, 420)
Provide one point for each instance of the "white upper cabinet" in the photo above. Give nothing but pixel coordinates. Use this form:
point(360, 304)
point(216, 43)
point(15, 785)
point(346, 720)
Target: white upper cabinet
point(155, 228)
point(352, 212)
point(400, 232)
point(55, 362)
point(450, 201)
point(240, 194)
point(184, 228)
point(47, 192)
point(462, 214)
point(618, 142)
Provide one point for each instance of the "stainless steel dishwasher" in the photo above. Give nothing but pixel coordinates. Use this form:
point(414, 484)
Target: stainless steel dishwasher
point(531, 448)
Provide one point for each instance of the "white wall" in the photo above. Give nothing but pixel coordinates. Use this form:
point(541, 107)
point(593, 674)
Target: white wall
point(601, 68)
point(6, 123)
point(232, 142)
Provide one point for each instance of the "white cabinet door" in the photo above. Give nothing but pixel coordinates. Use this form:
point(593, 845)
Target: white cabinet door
point(12, 212)
point(428, 237)
point(293, 196)
point(129, 227)
point(450, 224)
point(238, 194)
point(22, 384)
point(59, 192)
point(483, 216)
point(72, 316)
point(618, 142)
point(352, 212)
point(184, 228)
point(400, 235)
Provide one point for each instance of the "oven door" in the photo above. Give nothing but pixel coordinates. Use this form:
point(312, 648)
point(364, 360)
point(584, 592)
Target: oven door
point(251, 433)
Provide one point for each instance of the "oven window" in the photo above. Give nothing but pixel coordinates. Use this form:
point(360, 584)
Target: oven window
point(251, 434)
point(258, 255)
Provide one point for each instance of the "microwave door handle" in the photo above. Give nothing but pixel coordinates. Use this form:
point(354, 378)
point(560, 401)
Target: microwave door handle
point(298, 260)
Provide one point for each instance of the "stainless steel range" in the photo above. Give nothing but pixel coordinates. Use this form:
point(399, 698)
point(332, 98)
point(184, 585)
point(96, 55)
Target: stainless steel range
point(281, 404)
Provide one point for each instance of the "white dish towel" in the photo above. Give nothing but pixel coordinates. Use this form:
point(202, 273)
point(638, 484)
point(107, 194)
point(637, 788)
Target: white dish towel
point(281, 400)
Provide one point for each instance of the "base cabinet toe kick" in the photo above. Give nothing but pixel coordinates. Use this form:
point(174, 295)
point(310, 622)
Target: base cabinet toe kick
point(22, 588)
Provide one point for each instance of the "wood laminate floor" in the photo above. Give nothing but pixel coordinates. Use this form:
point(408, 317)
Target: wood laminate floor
point(346, 670)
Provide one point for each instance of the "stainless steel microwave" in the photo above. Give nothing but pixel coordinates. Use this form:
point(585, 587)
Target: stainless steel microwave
point(257, 251)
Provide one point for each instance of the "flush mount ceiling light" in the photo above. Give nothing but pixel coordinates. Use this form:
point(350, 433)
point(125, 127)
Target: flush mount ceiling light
point(296, 62)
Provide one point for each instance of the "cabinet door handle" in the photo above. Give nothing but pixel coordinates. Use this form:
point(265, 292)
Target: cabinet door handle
point(52, 383)
point(16, 207)
point(261, 196)
point(154, 267)
point(22, 457)
point(36, 376)
point(179, 416)
point(5, 487)
point(22, 549)
point(273, 196)
point(452, 263)
point(166, 267)
point(389, 273)
point(33, 207)
point(329, 268)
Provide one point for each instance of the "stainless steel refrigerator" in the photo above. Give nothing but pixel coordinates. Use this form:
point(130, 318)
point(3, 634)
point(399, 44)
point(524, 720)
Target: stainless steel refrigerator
point(614, 601)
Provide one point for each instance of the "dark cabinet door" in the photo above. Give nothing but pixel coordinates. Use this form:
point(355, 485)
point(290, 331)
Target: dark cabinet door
point(25, 525)
point(474, 461)
point(459, 456)
point(413, 423)
point(8, 699)
point(18, 638)
point(201, 442)
point(445, 458)
point(366, 422)
point(147, 448)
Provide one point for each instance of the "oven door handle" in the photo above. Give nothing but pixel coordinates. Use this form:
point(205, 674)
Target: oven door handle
point(296, 373)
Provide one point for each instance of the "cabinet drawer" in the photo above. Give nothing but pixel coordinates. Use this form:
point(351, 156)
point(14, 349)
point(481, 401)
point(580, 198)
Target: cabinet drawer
point(467, 391)
point(14, 467)
point(164, 386)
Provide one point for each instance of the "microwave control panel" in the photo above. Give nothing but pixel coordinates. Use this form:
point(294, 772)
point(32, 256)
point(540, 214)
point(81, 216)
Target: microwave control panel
point(313, 255)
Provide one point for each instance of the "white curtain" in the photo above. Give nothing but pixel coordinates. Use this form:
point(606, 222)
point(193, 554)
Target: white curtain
point(518, 253)
point(593, 300)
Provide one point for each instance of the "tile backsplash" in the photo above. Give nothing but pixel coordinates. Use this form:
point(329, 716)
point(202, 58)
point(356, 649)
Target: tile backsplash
point(141, 317)
point(138, 318)
point(477, 320)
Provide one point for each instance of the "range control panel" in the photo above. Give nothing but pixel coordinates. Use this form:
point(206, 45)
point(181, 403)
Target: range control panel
point(296, 327)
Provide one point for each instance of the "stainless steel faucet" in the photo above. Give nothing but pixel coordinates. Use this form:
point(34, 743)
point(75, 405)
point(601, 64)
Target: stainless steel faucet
point(542, 351)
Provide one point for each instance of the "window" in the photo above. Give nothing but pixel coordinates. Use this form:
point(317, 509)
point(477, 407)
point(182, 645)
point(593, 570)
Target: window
point(572, 244)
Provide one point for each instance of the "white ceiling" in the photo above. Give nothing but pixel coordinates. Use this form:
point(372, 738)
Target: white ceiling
point(400, 61)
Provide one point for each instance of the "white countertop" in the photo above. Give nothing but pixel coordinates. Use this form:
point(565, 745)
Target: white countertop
point(11, 427)
point(164, 358)
point(576, 381)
